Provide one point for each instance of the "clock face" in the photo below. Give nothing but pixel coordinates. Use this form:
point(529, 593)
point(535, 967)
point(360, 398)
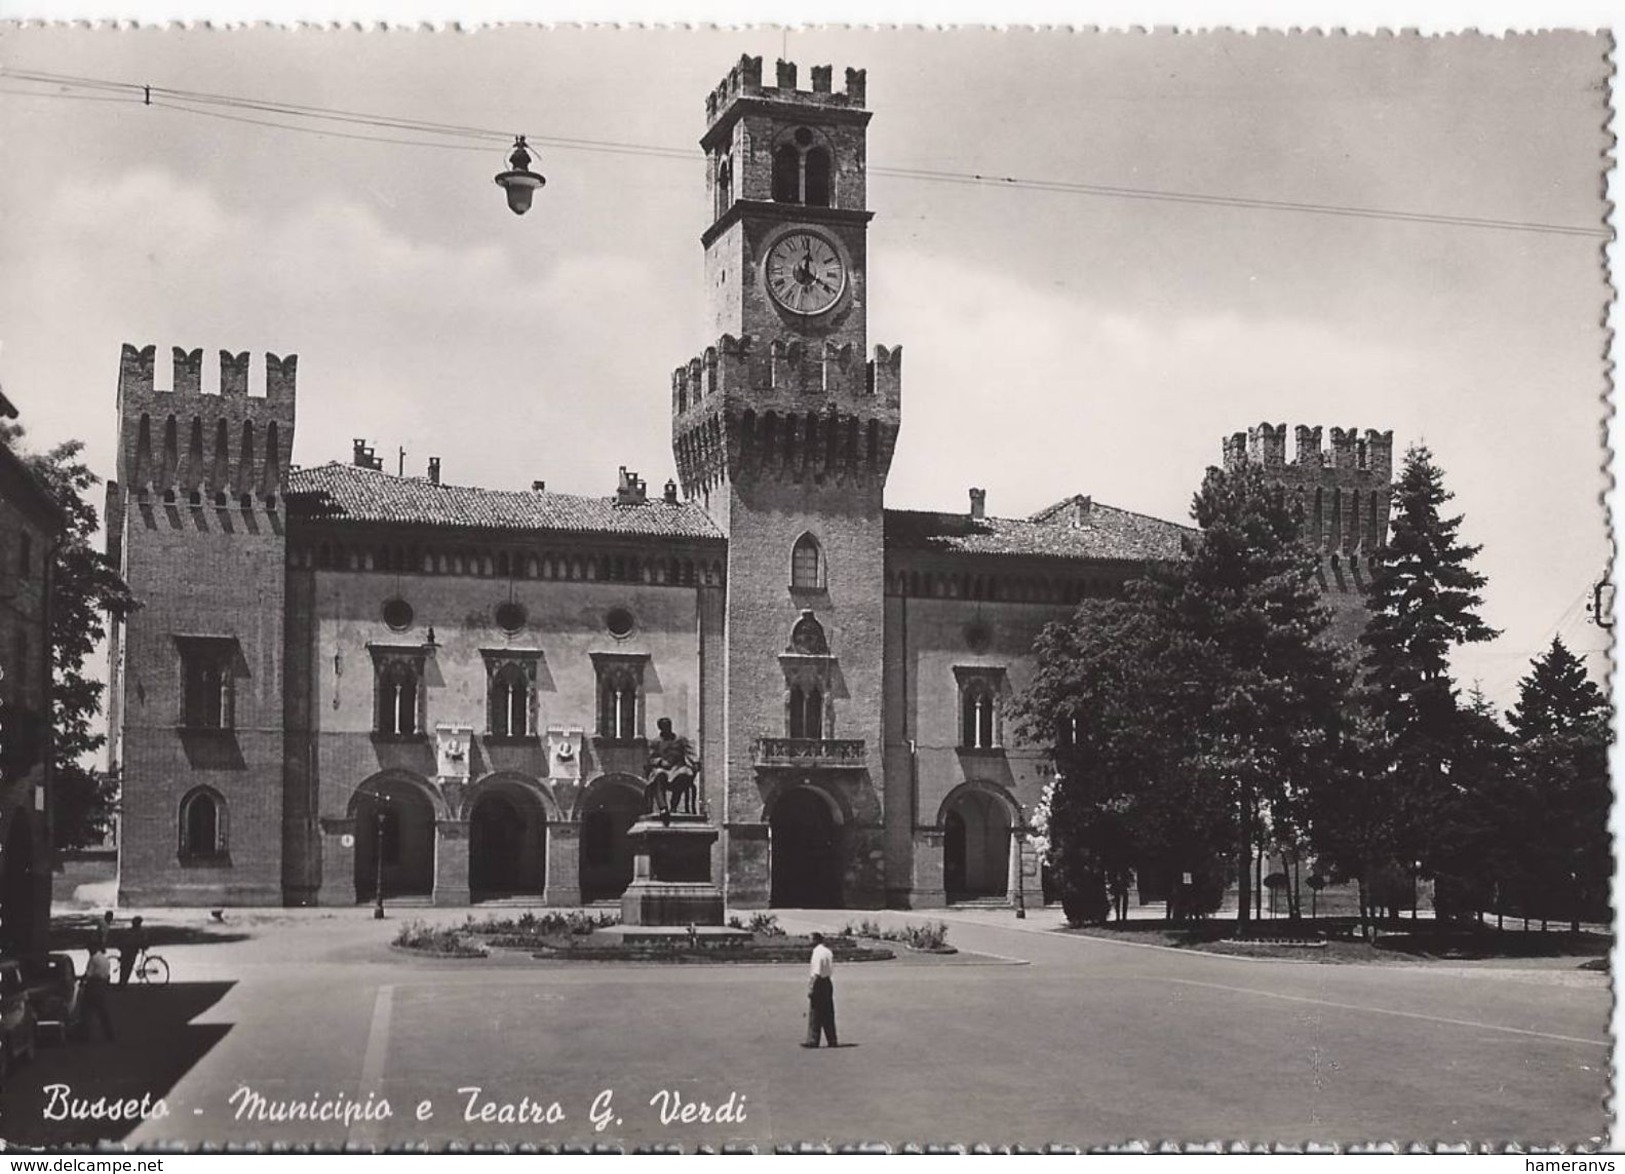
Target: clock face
point(804, 272)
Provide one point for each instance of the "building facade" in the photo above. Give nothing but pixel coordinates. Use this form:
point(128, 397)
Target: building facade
point(344, 679)
point(31, 526)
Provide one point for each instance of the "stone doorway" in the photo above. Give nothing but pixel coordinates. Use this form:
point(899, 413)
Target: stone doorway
point(975, 846)
point(608, 810)
point(805, 858)
point(406, 841)
point(507, 845)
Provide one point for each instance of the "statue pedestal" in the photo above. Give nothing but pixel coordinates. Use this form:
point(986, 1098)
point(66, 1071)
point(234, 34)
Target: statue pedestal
point(671, 873)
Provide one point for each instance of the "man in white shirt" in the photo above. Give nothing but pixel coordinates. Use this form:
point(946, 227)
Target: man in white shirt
point(821, 995)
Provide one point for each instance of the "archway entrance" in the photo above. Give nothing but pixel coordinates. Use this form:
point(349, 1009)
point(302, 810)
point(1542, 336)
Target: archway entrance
point(608, 810)
point(805, 863)
point(17, 885)
point(975, 846)
point(405, 839)
point(507, 844)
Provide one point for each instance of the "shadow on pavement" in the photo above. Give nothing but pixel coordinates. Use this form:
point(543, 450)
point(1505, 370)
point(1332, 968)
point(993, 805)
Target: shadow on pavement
point(157, 1044)
point(76, 931)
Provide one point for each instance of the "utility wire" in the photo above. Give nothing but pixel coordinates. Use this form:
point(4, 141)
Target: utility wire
point(196, 102)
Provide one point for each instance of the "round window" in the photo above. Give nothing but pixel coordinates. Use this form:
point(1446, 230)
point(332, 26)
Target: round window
point(398, 615)
point(619, 622)
point(510, 616)
point(978, 635)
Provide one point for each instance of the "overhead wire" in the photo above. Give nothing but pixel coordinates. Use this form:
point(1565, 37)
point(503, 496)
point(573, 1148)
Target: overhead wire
point(196, 101)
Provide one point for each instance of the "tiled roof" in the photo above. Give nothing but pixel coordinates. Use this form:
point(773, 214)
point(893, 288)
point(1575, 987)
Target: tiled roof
point(352, 493)
point(1076, 528)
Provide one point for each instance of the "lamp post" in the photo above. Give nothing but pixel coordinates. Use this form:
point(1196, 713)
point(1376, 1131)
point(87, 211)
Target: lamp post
point(378, 865)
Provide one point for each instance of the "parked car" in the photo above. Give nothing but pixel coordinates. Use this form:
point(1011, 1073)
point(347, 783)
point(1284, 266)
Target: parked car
point(53, 992)
point(16, 1018)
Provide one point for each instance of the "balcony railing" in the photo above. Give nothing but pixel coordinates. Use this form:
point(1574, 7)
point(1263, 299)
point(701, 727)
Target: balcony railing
point(807, 752)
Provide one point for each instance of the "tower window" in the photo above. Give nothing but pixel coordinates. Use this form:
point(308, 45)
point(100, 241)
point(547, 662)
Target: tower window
point(802, 171)
point(806, 711)
point(25, 554)
point(725, 184)
point(203, 823)
point(208, 683)
point(807, 564)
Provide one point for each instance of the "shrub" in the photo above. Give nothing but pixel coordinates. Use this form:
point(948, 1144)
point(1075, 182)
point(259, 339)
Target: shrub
point(735, 923)
point(766, 924)
point(444, 940)
point(933, 935)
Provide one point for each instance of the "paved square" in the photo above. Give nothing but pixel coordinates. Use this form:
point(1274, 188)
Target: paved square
point(1074, 1040)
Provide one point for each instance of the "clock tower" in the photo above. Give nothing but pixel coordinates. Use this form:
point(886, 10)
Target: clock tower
point(784, 430)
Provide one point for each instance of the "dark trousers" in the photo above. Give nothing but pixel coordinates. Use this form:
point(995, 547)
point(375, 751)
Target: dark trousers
point(126, 964)
point(821, 1012)
point(94, 1001)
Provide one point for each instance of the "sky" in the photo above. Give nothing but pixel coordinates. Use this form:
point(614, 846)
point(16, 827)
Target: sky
point(1055, 342)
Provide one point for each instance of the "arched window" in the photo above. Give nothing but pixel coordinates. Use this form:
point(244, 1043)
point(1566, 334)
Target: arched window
point(203, 823)
point(510, 702)
point(25, 554)
point(399, 682)
point(803, 171)
point(806, 711)
point(725, 185)
point(807, 564)
point(979, 718)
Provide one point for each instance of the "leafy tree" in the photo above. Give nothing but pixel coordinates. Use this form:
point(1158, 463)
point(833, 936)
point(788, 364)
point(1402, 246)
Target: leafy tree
point(1423, 601)
point(1560, 726)
point(1200, 705)
point(85, 588)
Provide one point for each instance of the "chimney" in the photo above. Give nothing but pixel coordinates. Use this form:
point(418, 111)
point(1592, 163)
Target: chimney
point(631, 489)
point(434, 470)
point(978, 504)
point(671, 492)
point(1080, 510)
point(363, 457)
point(538, 486)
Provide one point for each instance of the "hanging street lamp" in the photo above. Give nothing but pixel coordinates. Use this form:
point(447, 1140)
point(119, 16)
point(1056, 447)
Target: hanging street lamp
point(521, 183)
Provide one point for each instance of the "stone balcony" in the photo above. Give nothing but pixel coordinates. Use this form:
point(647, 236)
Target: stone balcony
point(846, 753)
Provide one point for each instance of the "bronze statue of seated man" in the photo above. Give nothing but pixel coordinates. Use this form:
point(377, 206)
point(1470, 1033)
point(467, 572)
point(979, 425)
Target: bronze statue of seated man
point(672, 773)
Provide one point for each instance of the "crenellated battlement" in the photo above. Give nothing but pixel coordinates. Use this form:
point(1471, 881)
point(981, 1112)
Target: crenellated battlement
point(1371, 453)
point(787, 409)
point(744, 80)
point(786, 373)
point(186, 446)
point(137, 375)
point(1344, 491)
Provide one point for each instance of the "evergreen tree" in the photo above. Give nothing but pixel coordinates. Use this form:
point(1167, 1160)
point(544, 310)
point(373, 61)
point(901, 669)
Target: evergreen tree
point(1560, 726)
point(1423, 601)
point(85, 588)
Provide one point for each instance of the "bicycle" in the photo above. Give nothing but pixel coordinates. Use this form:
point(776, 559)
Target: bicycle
point(150, 968)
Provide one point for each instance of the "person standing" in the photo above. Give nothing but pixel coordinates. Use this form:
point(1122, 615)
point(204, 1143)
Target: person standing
point(98, 977)
point(821, 995)
point(103, 934)
point(130, 948)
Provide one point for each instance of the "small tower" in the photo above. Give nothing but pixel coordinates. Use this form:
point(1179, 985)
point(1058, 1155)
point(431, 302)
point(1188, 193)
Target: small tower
point(196, 524)
point(1345, 496)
